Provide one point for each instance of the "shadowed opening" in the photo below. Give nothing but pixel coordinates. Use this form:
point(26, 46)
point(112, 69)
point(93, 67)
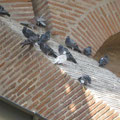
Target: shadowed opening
point(111, 47)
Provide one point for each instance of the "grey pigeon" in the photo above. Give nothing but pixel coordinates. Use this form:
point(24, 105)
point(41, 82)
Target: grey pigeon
point(44, 37)
point(103, 61)
point(47, 50)
point(3, 11)
point(61, 50)
point(85, 79)
point(40, 21)
point(27, 32)
point(72, 44)
point(88, 51)
point(30, 41)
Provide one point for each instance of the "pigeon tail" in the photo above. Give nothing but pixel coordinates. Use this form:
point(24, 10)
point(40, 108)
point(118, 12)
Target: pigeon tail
point(54, 55)
point(24, 24)
point(5, 13)
point(77, 49)
point(73, 60)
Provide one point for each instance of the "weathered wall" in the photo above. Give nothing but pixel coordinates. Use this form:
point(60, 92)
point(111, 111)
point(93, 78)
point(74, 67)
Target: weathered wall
point(28, 78)
point(20, 10)
point(89, 22)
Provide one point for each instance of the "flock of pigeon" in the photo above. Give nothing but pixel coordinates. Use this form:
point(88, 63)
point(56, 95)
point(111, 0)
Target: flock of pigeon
point(64, 53)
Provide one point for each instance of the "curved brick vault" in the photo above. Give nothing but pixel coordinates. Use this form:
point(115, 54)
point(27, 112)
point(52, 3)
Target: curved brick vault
point(28, 78)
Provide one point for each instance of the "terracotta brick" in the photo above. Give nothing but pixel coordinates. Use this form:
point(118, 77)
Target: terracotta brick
point(26, 87)
point(67, 17)
point(30, 89)
point(42, 110)
point(51, 109)
point(55, 100)
point(55, 32)
point(112, 116)
point(107, 114)
point(46, 94)
point(60, 113)
point(37, 95)
point(43, 104)
point(58, 23)
point(102, 112)
point(19, 98)
point(33, 105)
point(59, 5)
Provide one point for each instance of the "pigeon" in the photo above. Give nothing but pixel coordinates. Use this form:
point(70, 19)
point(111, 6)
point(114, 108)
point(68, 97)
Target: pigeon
point(40, 21)
point(85, 79)
point(87, 51)
point(3, 11)
point(61, 50)
point(47, 50)
point(61, 58)
point(27, 32)
point(30, 41)
point(103, 61)
point(44, 37)
point(72, 44)
point(30, 25)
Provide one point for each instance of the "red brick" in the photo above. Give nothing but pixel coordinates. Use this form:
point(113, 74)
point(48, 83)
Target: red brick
point(37, 95)
point(42, 104)
point(42, 110)
point(59, 5)
point(46, 94)
point(102, 112)
point(55, 32)
point(107, 114)
point(33, 105)
point(67, 17)
point(113, 116)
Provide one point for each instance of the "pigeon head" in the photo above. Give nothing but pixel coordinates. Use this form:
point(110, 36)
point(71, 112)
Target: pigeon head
point(68, 37)
point(37, 35)
point(90, 47)
point(79, 78)
point(60, 46)
point(48, 32)
point(1, 8)
point(24, 28)
point(106, 56)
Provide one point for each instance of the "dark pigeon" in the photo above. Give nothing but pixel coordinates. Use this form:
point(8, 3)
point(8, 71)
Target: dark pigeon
point(47, 50)
point(30, 41)
point(40, 21)
point(85, 79)
point(61, 50)
point(88, 51)
point(3, 11)
point(103, 61)
point(72, 44)
point(44, 37)
point(27, 32)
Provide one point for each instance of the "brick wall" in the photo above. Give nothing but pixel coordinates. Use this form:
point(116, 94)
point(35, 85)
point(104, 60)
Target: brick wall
point(88, 22)
point(29, 79)
point(20, 10)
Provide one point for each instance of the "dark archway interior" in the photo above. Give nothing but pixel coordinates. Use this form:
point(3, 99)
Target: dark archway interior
point(111, 47)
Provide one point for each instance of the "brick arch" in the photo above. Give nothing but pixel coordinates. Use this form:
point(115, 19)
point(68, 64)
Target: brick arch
point(111, 47)
point(89, 22)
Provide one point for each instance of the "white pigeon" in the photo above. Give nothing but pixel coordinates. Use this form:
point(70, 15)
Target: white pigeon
point(61, 58)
